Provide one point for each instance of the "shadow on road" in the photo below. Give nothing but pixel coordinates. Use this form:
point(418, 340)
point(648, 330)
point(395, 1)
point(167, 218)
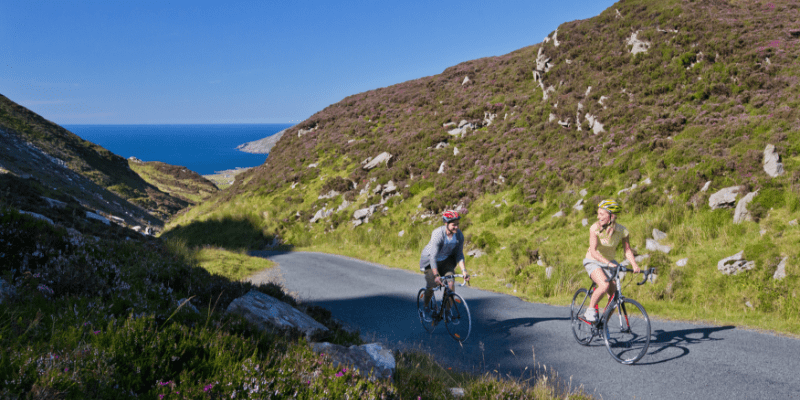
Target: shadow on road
point(504, 327)
point(667, 346)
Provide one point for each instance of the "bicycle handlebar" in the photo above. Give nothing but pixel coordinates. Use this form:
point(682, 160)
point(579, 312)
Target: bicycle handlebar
point(621, 268)
point(454, 276)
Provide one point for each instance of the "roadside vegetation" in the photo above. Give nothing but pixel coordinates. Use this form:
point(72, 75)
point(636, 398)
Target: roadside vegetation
point(717, 84)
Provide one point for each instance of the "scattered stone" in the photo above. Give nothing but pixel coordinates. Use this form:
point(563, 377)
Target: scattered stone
point(401, 233)
point(780, 273)
point(540, 263)
point(638, 46)
point(584, 222)
point(441, 168)
point(267, 312)
point(658, 235)
point(742, 214)
point(724, 198)
point(793, 222)
point(735, 264)
point(579, 205)
point(583, 193)
point(772, 162)
point(52, 203)
point(706, 186)
point(465, 81)
point(323, 213)
point(368, 359)
point(457, 392)
point(641, 258)
point(748, 304)
point(98, 217)
point(508, 285)
point(559, 214)
point(455, 151)
point(682, 262)
point(653, 245)
point(383, 158)
point(328, 195)
point(548, 272)
point(476, 253)
point(441, 145)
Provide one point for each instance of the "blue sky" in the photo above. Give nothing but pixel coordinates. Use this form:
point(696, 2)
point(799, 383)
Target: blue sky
point(171, 62)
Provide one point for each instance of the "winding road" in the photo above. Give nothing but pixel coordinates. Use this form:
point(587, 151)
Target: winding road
point(515, 337)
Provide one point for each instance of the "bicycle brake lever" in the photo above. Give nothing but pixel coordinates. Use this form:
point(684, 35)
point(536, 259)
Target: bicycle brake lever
point(647, 275)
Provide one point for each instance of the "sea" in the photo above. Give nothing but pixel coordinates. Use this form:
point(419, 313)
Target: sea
point(205, 149)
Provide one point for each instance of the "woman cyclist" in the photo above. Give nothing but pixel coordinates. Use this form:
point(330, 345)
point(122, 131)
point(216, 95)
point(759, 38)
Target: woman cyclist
point(605, 236)
point(441, 255)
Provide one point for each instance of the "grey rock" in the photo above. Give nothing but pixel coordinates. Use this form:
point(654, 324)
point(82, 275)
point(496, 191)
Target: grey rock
point(780, 273)
point(389, 188)
point(401, 233)
point(638, 46)
point(383, 158)
point(441, 145)
point(741, 213)
point(735, 264)
point(52, 203)
point(476, 253)
point(706, 186)
point(267, 312)
point(548, 272)
point(457, 392)
point(584, 222)
point(508, 285)
point(38, 216)
point(682, 262)
point(371, 359)
point(362, 213)
point(98, 217)
point(792, 222)
point(724, 198)
point(641, 257)
point(583, 193)
point(579, 205)
point(772, 162)
point(658, 235)
point(328, 195)
point(653, 245)
point(559, 214)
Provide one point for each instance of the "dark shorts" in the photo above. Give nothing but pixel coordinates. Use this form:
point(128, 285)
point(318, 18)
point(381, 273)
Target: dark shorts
point(445, 267)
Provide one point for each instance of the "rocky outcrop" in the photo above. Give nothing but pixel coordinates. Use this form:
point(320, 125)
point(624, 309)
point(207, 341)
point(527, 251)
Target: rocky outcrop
point(772, 162)
point(724, 198)
point(780, 272)
point(462, 128)
point(97, 217)
point(741, 213)
point(735, 264)
point(262, 146)
point(370, 163)
point(266, 312)
point(38, 216)
point(637, 45)
point(371, 359)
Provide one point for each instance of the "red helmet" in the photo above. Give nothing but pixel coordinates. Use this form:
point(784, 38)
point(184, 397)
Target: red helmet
point(450, 216)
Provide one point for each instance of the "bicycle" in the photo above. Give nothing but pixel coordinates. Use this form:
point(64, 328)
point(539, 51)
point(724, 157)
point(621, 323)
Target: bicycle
point(627, 341)
point(452, 309)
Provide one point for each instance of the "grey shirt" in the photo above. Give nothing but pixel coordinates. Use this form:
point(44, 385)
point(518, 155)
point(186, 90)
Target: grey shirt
point(436, 250)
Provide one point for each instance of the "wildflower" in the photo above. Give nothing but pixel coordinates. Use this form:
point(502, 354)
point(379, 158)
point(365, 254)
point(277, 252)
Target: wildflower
point(96, 332)
point(208, 387)
point(339, 374)
point(66, 369)
point(161, 396)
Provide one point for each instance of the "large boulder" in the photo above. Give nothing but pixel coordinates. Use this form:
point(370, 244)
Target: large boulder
point(371, 359)
point(780, 273)
point(772, 162)
point(742, 214)
point(653, 245)
point(735, 264)
point(267, 312)
point(724, 198)
point(383, 158)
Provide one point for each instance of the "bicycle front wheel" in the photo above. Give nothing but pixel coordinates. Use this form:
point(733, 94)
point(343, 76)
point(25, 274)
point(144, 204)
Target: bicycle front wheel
point(627, 333)
point(457, 318)
point(429, 326)
point(583, 331)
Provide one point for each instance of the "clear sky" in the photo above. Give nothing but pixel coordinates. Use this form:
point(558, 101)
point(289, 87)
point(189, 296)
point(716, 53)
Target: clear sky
point(268, 61)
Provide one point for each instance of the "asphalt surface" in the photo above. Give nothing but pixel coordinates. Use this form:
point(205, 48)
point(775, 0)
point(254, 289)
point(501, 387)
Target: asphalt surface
point(518, 338)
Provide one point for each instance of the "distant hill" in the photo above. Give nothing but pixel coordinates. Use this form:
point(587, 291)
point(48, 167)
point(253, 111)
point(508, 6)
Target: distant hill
point(174, 180)
point(49, 161)
point(261, 146)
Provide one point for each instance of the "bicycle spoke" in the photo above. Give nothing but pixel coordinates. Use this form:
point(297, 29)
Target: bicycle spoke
point(429, 326)
point(627, 333)
point(582, 330)
point(457, 317)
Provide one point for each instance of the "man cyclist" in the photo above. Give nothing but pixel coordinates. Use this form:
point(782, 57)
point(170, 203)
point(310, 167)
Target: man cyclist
point(605, 236)
point(441, 255)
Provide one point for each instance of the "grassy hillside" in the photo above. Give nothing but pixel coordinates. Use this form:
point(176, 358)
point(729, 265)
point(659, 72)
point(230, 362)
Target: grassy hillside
point(716, 84)
point(92, 161)
point(174, 180)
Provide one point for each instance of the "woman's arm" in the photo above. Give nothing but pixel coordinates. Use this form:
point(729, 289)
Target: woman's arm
point(629, 254)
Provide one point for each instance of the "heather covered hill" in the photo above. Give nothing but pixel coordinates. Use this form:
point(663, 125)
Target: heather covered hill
point(659, 104)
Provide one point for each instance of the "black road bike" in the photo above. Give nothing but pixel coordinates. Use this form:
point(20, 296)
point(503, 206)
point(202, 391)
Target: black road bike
point(450, 307)
point(627, 336)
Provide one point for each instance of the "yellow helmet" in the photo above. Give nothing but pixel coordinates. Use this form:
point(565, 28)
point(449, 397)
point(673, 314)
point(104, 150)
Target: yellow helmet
point(610, 205)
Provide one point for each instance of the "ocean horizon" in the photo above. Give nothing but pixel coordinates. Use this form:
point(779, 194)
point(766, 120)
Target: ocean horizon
point(203, 148)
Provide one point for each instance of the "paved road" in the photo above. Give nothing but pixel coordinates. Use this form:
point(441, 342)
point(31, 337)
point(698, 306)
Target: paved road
point(685, 361)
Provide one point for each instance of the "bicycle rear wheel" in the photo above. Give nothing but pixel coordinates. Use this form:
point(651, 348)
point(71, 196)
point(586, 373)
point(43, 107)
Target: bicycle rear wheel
point(457, 318)
point(583, 331)
point(627, 334)
point(429, 326)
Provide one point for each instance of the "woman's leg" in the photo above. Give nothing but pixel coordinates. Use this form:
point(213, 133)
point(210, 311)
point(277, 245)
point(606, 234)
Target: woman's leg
point(599, 277)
